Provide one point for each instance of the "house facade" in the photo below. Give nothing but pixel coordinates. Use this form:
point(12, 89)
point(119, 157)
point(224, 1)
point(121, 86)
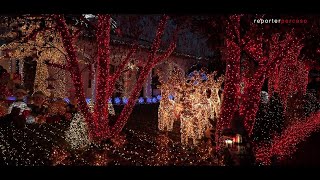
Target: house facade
point(191, 49)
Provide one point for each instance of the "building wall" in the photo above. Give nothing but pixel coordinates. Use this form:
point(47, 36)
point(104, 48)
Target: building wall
point(183, 63)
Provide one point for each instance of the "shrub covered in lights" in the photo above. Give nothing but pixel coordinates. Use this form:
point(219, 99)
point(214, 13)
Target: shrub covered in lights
point(125, 100)
point(269, 120)
point(117, 100)
point(67, 100)
point(154, 100)
point(11, 98)
point(149, 100)
point(261, 127)
point(276, 114)
point(141, 100)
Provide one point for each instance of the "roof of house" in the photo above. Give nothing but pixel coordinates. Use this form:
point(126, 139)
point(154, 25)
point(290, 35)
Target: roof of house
point(189, 44)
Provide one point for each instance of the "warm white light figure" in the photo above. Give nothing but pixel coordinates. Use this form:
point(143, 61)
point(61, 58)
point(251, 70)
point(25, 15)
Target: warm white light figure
point(192, 104)
point(78, 135)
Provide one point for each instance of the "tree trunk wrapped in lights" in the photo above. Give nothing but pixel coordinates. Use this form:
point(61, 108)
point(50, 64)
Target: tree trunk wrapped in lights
point(231, 87)
point(105, 81)
point(279, 50)
point(103, 89)
point(267, 58)
point(232, 75)
point(74, 69)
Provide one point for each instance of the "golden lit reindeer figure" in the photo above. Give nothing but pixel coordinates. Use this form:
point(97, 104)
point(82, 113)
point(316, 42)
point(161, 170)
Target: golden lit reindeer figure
point(166, 107)
point(178, 82)
point(214, 98)
point(77, 134)
point(188, 121)
point(201, 106)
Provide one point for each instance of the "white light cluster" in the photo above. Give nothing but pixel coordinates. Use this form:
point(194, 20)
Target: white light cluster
point(190, 105)
point(77, 134)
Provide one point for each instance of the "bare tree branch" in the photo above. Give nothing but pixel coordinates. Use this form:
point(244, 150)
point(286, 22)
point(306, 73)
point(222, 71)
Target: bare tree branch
point(170, 49)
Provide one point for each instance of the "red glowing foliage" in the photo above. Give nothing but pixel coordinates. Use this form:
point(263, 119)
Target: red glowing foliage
point(291, 76)
point(280, 51)
point(254, 48)
point(285, 145)
point(275, 60)
point(269, 53)
point(231, 89)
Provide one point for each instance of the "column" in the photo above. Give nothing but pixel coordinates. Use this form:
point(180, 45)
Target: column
point(147, 89)
point(93, 83)
point(126, 85)
point(21, 63)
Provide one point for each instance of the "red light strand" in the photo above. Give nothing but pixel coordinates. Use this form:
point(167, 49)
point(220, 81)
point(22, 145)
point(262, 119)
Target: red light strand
point(123, 64)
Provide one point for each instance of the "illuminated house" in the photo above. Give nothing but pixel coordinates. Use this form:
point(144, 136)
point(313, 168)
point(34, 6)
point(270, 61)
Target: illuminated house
point(191, 49)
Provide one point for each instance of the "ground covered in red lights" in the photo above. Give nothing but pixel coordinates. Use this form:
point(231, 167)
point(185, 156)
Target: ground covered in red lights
point(141, 144)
